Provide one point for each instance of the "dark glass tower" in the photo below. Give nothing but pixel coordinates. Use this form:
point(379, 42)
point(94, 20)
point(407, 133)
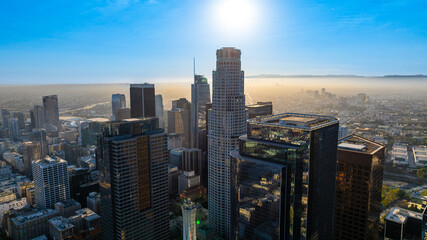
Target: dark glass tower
point(133, 164)
point(358, 188)
point(283, 178)
point(142, 100)
point(51, 111)
point(200, 96)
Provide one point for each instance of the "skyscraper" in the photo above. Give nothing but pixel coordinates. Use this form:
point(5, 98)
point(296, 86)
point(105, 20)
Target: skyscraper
point(142, 100)
point(189, 211)
point(133, 164)
point(226, 123)
point(21, 119)
point(200, 96)
point(51, 183)
point(178, 122)
point(39, 121)
point(51, 111)
point(283, 178)
point(5, 115)
point(31, 151)
point(160, 110)
point(13, 128)
point(358, 188)
point(118, 101)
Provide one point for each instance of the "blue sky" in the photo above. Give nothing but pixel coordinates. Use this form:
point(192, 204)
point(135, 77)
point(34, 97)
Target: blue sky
point(111, 41)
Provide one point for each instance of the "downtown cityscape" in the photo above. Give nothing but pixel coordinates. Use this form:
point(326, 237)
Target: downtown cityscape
point(213, 120)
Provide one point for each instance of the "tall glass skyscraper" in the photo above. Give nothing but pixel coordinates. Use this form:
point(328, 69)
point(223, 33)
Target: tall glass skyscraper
point(133, 164)
point(160, 110)
point(283, 178)
point(51, 111)
point(226, 123)
point(118, 101)
point(142, 100)
point(200, 96)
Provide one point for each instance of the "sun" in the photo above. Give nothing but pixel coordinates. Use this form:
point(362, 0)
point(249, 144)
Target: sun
point(235, 16)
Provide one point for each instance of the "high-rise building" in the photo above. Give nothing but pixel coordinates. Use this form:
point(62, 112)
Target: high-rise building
point(160, 111)
point(358, 188)
point(118, 101)
point(283, 178)
point(93, 201)
point(189, 211)
point(122, 114)
point(51, 112)
point(227, 121)
point(178, 122)
point(21, 119)
point(142, 100)
point(342, 132)
point(134, 180)
point(174, 140)
point(51, 183)
point(13, 128)
point(5, 115)
point(187, 180)
point(31, 151)
point(260, 109)
point(200, 96)
point(38, 113)
point(39, 135)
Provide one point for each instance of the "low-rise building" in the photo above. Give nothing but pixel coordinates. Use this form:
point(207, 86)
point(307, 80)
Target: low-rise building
point(31, 224)
point(13, 204)
point(403, 224)
point(420, 155)
point(67, 208)
point(94, 202)
point(6, 196)
point(60, 228)
point(400, 154)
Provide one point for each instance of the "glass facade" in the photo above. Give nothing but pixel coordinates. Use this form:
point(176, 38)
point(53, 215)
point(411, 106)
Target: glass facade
point(275, 170)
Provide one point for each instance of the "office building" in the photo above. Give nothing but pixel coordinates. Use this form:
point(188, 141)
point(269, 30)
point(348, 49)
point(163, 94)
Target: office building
point(160, 111)
point(200, 96)
point(31, 196)
point(40, 135)
point(51, 183)
point(67, 208)
point(189, 211)
point(342, 132)
point(118, 101)
point(283, 178)
point(51, 112)
point(142, 100)
point(61, 228)
point(87, 225)
point(38, 120)
point(134, 200)
point(358, 188)
point(226, 123)
point(259, 109)
point(122, 114)
point(173, 174)
point(82, 184)
point(15, 204)
point(192, 160)
point(174, 141)
point(399, 155)
point(420, 155)
point(179, 122)
point(187, 180)
point(5, 115)
point(29, 225)
point(31, 151)
point(93, 201)
point(402, 224)
point(21, 119)
point(13, 128)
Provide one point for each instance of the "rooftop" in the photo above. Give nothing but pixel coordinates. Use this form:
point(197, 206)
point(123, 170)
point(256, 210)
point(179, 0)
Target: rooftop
point(295, 120)
point(61, 223)
point(87, 214)
point(400, 215)
point(49, 161)
point(359, 144)
point(34, 215)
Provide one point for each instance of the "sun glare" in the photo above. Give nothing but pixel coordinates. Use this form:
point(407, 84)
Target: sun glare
point(236, 16)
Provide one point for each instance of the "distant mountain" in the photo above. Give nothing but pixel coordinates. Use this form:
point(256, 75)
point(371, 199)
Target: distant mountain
point(333, 76)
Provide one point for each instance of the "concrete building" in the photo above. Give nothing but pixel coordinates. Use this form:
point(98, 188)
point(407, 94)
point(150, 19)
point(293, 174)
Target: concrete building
point(189, 211)
point(342, 132)
point(51, 182)
point(142, 100)
point(87, 224)
point(31, 151)
point(173, 174)
point(358, 188)
point(31, 196)
point(122, 114)
point(420, 155)
point(160, 112)
point(227, 121)
point(94, 202)
point(5, 115)
point(401, 224)
point(14, 128)
point(6, 196)
point(187, 180)
point(179, 122)
point(67, 208)
point(15, 204)
point(283, 178)
point(60, 228)
point(37, 120)
point(174, 141)
point(134, 200)
point(32, 224)
point(400, 154)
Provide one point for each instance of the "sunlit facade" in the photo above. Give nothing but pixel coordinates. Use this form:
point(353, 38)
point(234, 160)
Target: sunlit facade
point(189, 212)
point(226, 123)
point(283, 178)
point(133, 161)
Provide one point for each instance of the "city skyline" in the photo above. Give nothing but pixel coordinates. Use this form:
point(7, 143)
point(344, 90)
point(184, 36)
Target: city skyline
point(130, 41)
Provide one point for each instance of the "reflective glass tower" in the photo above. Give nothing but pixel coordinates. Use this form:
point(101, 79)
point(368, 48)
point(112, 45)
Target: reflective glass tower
point(200, 96)
point(51, 111)
point(226, 123)
point(118, 101)
point(142, 100)
point(133, 164)
point(283, 178)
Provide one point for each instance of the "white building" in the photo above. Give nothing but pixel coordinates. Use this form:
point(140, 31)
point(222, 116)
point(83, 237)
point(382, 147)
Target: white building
point(420, 155)
point(189, 212)
point(400, 154)
point(51, 183)
point(227, 121)
point(14, 204)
